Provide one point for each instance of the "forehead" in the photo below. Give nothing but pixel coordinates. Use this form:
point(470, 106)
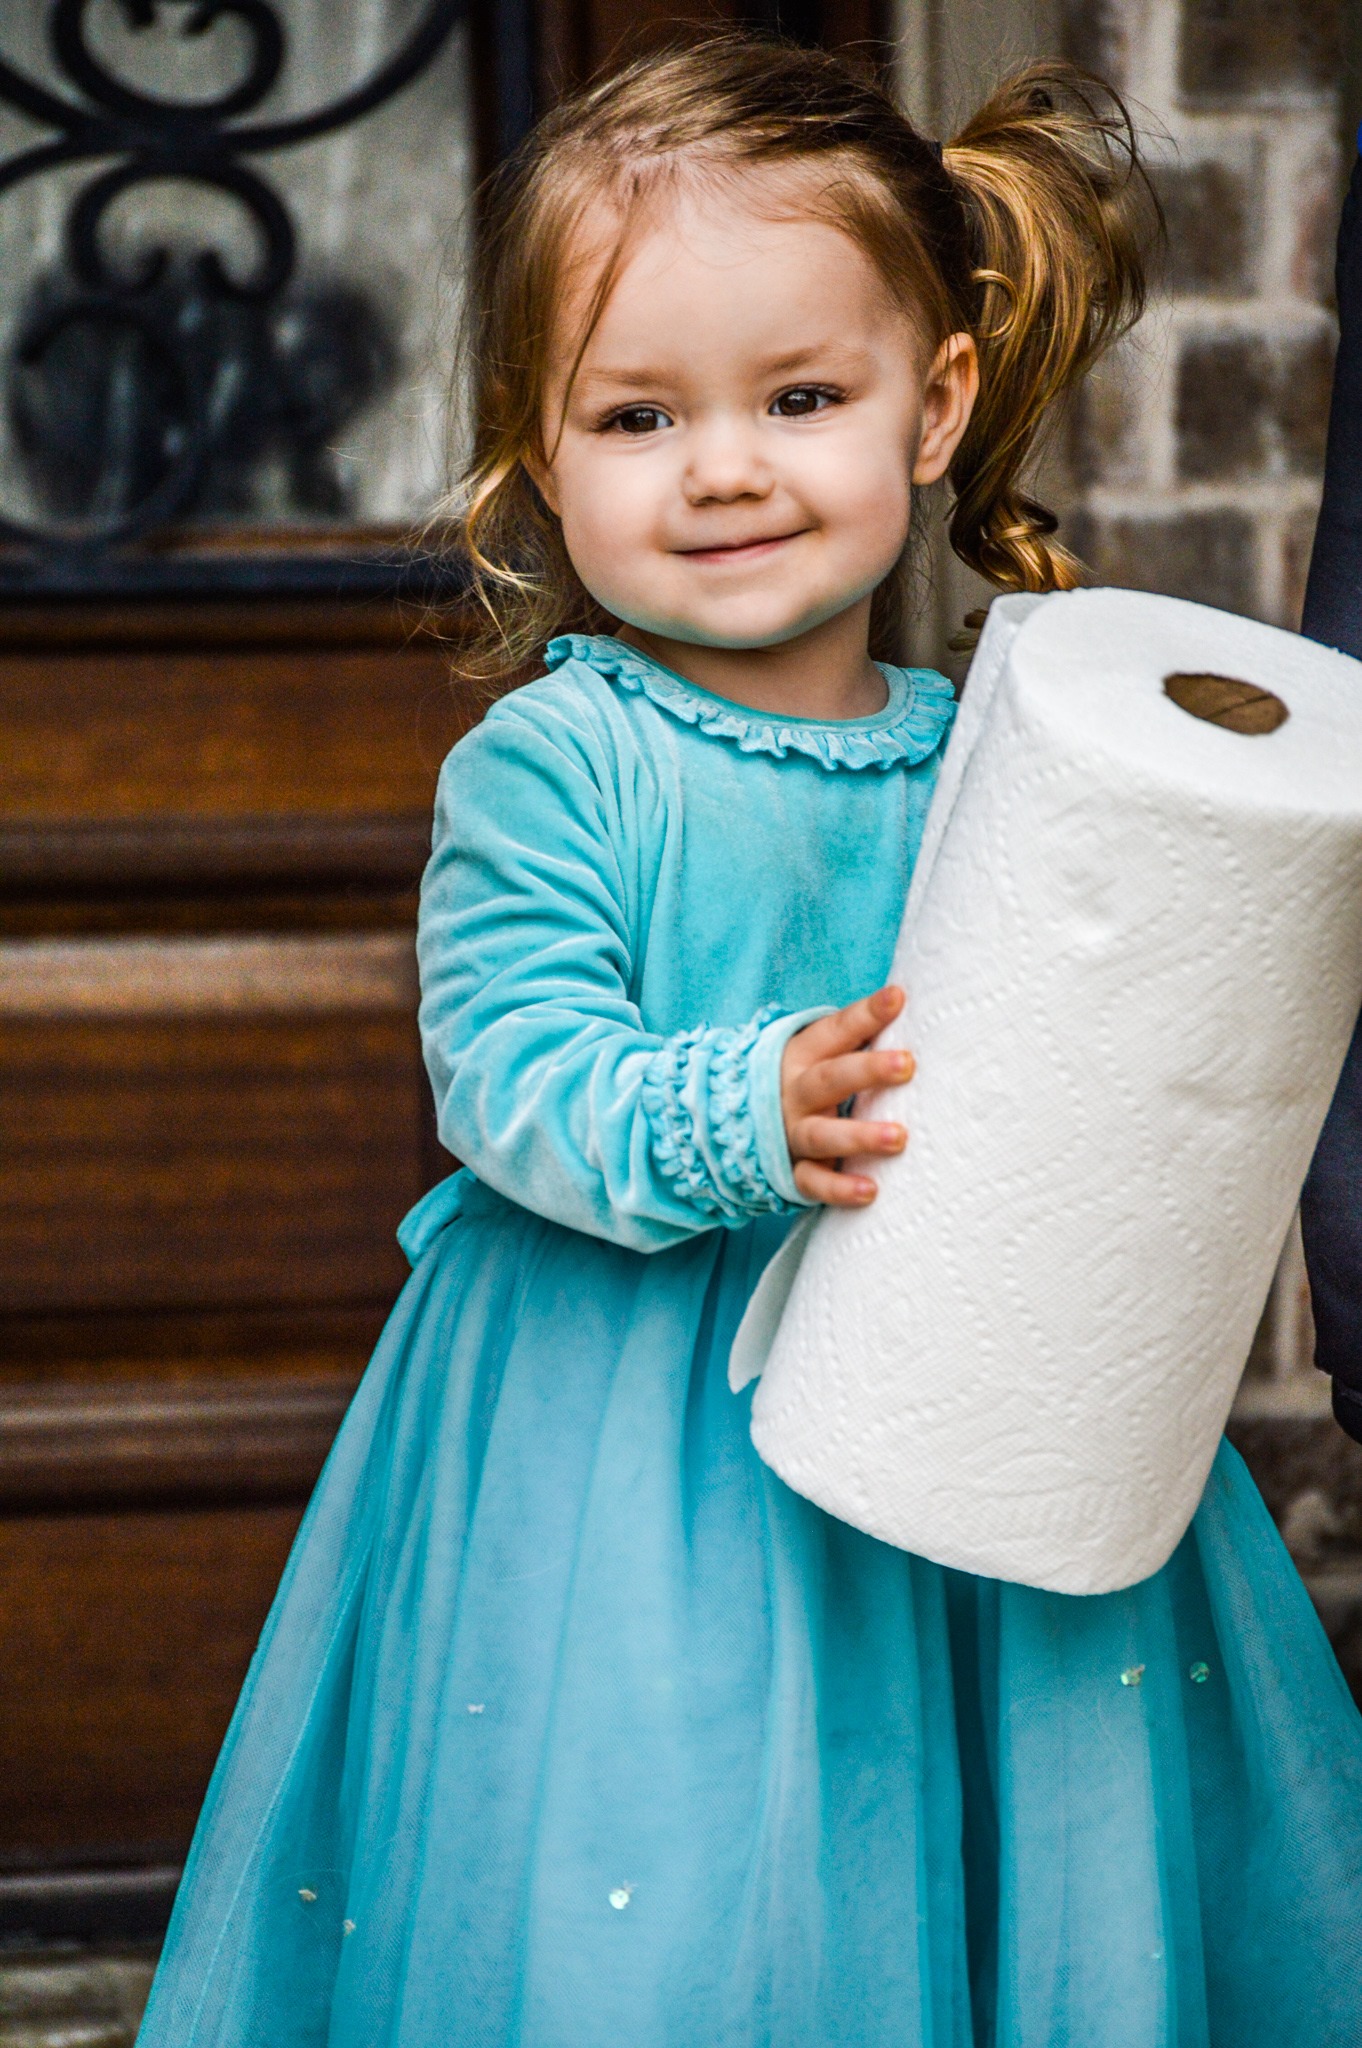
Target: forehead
point(749, 247)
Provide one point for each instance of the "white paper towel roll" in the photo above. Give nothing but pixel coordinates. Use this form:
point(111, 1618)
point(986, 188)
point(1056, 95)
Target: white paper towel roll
point(1133, 956)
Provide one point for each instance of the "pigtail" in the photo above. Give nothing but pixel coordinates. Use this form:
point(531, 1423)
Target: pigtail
point(1060, 215)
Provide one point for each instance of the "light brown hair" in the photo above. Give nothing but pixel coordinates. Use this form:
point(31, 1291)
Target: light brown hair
point(1026, 232)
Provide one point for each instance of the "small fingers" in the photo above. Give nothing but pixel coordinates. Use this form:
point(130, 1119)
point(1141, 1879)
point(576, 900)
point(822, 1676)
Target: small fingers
point(838, 1137)
point(859, 1022)
point(837, 1190)
point(831, 1081)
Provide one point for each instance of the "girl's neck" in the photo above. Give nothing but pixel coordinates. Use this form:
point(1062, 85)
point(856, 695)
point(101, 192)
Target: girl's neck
point(826, 673)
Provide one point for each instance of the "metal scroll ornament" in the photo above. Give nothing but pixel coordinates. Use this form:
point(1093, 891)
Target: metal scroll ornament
point(183, 335)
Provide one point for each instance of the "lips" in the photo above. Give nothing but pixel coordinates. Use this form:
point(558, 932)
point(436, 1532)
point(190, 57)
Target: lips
point(728, 551)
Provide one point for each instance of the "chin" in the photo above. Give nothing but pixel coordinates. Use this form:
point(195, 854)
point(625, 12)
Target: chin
point(774, 632)
point(743, 633)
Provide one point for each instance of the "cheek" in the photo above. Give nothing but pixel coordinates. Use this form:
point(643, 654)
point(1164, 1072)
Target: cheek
point(606, 509)
point(864, 486)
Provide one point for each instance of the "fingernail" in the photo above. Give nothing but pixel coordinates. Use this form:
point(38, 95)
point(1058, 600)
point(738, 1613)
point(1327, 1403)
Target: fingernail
point(892, 1137)
point(903, 1062)
point(865, 1191)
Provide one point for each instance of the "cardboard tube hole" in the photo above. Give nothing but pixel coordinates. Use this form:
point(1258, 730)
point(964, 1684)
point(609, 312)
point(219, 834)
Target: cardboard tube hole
point(1227, 701)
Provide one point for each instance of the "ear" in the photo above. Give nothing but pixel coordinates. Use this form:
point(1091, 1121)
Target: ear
point(541, 476)
point(947, 401)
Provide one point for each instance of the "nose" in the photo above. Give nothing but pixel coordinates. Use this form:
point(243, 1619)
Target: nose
point(725, 463)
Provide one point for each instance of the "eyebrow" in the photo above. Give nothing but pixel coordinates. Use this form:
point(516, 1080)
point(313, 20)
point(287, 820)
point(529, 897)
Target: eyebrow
point(772, 366)
point(642, 376)
point(818, 352)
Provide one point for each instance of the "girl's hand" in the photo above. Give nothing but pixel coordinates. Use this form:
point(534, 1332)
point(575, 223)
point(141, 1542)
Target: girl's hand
point(824, 1064)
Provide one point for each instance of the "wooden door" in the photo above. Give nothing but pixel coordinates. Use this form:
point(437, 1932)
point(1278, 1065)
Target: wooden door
point(212, 1115)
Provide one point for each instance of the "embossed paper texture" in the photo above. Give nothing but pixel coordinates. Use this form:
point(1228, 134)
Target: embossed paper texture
point(1133, 956)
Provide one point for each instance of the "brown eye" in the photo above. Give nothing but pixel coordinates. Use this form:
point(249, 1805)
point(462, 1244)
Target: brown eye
point(804, 399)
point(640, 419)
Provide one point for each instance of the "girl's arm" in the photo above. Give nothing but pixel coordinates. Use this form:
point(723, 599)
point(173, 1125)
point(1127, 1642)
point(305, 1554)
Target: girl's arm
point(1331, 1204)
point(546, 1082)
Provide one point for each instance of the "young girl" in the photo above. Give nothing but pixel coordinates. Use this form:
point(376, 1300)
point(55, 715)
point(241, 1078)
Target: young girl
point(572, 1726)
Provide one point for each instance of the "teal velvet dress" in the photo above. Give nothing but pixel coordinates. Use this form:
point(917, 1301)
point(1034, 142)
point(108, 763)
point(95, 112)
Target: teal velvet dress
point(573, 1727)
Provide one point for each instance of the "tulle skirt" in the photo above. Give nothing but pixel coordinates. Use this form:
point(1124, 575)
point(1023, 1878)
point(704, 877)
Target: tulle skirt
point(573, 1727)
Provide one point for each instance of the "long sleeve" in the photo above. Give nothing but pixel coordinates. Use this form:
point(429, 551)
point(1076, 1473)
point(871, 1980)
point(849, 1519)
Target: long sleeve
point(1331, 1203)
point(547, 1083)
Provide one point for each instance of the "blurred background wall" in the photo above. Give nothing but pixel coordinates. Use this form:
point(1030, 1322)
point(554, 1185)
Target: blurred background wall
point(219, 731)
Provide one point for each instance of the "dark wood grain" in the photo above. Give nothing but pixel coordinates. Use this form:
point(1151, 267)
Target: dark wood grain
point(167, 1162)
point(116, 857)
point(213, 1113)
point(318, 733)
point(123, 1641)
point(119, 1442)
point(46, 627)
point(80, 1347)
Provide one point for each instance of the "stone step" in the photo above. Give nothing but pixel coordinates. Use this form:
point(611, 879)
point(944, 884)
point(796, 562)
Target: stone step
point(64, 1999)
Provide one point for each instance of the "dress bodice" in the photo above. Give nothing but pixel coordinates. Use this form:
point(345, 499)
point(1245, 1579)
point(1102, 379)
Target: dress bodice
point(637, 891)
point(765, 860)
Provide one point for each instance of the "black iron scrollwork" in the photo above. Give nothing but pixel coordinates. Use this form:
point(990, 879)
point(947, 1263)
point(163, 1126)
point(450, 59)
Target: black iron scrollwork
point(188, 335)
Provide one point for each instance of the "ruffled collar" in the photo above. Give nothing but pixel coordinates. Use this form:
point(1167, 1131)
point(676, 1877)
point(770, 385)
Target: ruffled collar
point(911, 725)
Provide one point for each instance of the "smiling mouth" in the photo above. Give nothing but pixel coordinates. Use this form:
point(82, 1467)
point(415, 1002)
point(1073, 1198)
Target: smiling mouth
point(741, 550)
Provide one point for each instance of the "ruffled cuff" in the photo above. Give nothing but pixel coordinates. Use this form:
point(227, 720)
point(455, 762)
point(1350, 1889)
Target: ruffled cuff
point(712, 1101)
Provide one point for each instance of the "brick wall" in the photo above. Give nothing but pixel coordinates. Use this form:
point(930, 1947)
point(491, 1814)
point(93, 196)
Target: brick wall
point(1197, 451)
point(1191, 465)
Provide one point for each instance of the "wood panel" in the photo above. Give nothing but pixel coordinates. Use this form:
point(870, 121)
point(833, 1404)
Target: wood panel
point(244, 1440)
point(228, 767)
point(213, 1113)
point(80, 1348)
point(180, 1161)
point(108, 861)
point(126, 1637)
point(169, 733)
point(368, 972)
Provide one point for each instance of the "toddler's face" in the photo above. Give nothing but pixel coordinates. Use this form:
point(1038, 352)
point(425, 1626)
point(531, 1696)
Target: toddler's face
point(732, 463)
